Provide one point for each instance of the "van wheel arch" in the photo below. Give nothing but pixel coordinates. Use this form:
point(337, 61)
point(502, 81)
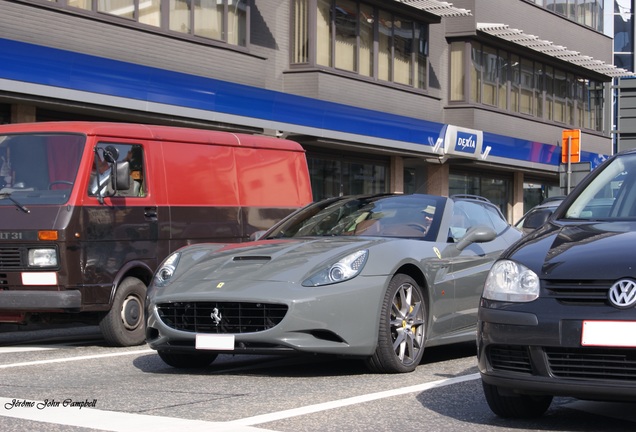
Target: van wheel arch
point(123, 324)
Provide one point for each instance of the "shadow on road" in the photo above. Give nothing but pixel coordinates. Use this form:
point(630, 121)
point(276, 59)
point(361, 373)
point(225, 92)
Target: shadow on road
point(564, 413)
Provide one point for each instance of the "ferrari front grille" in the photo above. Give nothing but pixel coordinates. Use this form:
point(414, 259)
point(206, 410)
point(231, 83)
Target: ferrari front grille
point(221, 317)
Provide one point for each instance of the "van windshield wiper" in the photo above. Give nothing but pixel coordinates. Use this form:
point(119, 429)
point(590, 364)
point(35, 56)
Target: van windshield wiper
point(17, 204)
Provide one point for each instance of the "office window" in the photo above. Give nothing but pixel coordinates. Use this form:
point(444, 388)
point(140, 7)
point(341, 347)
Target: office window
point(527, 100)
point(476, 72)
point(346, 40)
point(300, 40)
point(457, 75)
point(359, 38)
point(517, 84)
point(121, 8)
point(218, 20)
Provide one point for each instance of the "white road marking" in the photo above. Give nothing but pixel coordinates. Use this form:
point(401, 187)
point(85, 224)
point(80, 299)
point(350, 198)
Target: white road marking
point(68, 359)
point(110, 420)
point(310, 409)
point(5, 350)
point(127, 422)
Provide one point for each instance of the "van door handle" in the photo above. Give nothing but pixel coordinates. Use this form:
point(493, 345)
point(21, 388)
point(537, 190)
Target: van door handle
point(151, 213)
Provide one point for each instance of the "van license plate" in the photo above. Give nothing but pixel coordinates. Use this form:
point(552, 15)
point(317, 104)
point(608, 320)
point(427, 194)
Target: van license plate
point(214, 342)
point(609, 333)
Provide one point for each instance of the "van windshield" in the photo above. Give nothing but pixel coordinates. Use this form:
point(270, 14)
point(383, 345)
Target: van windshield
point(38, 168)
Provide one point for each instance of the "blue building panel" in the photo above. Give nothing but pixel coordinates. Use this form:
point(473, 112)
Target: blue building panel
point(65, 69)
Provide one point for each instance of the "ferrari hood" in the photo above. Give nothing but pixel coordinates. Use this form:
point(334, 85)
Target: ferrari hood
point(269, 260)
point(597, 250)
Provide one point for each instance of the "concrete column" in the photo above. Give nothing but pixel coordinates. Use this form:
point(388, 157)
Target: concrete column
point(22, 113)
point(396, 182)
point(517, 197)
point(437, 183)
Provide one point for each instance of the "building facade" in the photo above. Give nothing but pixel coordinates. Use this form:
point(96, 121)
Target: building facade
point(392, 95)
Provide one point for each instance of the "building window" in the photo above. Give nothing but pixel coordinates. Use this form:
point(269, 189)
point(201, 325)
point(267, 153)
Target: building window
point(359, 38)
point(624, 34)
point(219, 20)
point(300, 40)
point(586, 12)
point(494, 188)
point(331, 177)
point(520, 85)
point(457, 75)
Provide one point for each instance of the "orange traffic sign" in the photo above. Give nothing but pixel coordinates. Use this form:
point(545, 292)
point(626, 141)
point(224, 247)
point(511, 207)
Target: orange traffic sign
point(571, 144)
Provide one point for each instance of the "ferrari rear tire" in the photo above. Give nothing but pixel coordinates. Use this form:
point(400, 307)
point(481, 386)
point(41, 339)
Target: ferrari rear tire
point(402, 329)
point(187, 360)
point(515, 406)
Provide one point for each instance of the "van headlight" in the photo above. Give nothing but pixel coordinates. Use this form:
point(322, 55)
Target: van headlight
point(42, 258)
point(340, 271)
point(510, 281)
point(167, 269)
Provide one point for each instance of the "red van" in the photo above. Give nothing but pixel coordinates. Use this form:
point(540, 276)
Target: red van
point(88, 210)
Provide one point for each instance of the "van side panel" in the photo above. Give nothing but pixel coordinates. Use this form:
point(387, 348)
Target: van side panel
point(269, 177)
point(273, 184)
point(202, 193)
point(200, 174)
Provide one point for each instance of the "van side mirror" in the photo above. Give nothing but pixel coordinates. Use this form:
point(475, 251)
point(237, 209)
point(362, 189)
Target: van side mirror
point(111, 154)
point(121, 179)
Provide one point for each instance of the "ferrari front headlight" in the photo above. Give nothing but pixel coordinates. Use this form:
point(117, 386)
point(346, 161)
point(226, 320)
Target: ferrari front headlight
point(167, 269)
point(510, 281)
point(340, 271)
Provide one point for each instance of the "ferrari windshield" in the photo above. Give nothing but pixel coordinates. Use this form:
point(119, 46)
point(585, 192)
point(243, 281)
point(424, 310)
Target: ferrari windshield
point(412, 216)
point(38, 168)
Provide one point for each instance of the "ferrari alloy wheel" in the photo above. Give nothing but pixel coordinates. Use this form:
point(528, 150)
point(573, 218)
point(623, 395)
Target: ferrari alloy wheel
point(187, 360)
point(515, 406)
point(402, 328)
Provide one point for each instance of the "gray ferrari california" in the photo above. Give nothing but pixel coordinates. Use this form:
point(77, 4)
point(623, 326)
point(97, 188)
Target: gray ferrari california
point(378, 277)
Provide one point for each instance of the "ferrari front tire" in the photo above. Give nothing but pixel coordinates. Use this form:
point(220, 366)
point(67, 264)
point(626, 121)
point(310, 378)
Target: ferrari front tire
point(402, 329)
point(187, 360)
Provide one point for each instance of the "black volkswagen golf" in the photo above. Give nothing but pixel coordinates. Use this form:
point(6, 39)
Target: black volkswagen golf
point(557, 316)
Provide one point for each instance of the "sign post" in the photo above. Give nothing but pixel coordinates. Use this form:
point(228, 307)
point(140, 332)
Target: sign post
point(570, 150)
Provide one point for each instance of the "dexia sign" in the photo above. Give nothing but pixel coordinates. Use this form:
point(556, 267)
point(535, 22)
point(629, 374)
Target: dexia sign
point(455, 141)
point(466, 142)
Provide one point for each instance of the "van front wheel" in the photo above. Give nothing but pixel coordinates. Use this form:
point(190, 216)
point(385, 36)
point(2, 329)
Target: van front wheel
point(123, 325)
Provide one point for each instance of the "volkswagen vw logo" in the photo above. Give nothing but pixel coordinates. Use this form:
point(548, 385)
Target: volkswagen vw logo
point(623, 294)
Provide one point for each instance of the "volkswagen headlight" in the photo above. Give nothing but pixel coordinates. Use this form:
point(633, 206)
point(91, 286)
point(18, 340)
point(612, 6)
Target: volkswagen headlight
point(511, 282)
point(345, 269)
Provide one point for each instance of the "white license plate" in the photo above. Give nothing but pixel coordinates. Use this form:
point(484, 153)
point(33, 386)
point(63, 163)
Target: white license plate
point(215, 342)
point(609, 333)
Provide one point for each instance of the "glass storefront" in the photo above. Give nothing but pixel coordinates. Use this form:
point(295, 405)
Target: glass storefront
point(346, 176)
point(497, 189)
point(535, 192)
point(5, 113)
